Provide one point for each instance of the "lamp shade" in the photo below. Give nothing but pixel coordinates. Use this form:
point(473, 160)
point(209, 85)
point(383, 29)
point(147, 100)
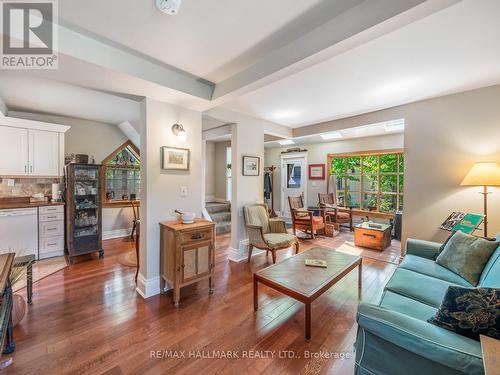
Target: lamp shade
point(483, 174)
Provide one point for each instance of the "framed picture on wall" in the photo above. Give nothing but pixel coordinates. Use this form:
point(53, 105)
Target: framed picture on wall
point(251, 165)
point(316, 171)
point(174, 159)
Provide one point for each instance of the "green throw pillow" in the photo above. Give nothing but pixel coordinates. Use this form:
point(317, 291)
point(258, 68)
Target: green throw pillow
point(467, 255)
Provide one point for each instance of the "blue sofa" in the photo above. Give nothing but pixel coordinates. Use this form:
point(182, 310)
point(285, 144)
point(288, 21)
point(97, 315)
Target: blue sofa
point(394, 336)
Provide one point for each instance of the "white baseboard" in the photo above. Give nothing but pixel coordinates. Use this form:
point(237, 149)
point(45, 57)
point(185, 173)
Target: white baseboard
point(148, 288)
point(241, 254)
point(117, 233)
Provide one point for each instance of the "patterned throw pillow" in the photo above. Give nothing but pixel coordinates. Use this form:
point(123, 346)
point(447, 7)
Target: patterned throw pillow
point(470, 312)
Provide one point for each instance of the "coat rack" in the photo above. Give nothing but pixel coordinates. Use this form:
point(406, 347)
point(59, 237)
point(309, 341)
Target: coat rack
point(270, 171)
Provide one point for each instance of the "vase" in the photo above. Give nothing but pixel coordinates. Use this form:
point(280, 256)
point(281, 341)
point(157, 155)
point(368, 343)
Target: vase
point(18, 309)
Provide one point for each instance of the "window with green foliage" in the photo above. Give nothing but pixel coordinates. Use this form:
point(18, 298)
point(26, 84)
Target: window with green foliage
point(371, 182)
point(122, 175)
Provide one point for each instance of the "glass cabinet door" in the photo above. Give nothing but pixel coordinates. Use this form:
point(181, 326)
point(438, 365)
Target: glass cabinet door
point(86, 201)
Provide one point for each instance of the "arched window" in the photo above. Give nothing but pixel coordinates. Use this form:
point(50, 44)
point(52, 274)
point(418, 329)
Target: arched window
point(122, 178)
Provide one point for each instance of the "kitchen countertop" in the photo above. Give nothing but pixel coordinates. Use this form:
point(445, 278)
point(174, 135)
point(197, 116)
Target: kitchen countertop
point(11, 203)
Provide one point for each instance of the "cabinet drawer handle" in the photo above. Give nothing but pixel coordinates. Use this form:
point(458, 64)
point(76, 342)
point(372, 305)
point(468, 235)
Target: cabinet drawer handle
point(52, 244)
point(51, 217)
point(51, 229)
point(197, 236)
point(369, 235)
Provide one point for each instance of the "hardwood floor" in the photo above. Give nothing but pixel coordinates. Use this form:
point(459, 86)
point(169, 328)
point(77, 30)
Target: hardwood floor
point(88, 319)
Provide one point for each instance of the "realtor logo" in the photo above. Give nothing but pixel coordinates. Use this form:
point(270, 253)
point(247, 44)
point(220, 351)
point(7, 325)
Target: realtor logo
point(29, 34)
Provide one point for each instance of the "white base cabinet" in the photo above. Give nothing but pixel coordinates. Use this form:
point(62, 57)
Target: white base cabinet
point(50, 231)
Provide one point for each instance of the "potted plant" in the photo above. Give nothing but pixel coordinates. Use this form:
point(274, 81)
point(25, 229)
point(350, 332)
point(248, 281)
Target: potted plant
point(18, 301)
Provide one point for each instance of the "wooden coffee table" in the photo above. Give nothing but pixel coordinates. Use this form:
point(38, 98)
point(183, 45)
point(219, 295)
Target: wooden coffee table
point(305, 284)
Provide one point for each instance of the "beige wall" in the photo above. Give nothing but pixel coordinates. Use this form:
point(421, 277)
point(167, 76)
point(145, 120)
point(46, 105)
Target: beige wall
point(220, 169)
point(443, 138)
point(317, 154)
point(99, 140)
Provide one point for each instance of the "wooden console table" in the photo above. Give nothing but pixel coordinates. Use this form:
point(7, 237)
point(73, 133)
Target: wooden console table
point(187, 254)
point(6, 328)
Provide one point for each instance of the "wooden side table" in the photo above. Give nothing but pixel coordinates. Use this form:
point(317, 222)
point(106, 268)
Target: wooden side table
point(187, 254)
point(491, 355)
point(378, 238)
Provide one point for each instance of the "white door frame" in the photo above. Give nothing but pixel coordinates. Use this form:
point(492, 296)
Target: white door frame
point(284, 158)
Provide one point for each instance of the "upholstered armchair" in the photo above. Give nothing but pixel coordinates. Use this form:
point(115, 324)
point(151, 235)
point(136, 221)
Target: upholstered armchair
point(304, 219)
point(265, 233)
point(332, 213)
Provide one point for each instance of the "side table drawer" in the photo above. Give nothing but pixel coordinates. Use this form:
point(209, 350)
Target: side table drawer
point(192, 237)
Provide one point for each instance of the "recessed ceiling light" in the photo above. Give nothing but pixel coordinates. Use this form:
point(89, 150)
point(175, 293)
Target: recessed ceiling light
point(331, 135)
point(286, 142)
point(169, 6)
point(396, 125)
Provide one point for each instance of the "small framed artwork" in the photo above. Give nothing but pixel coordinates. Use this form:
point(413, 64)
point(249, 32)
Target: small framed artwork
point(251, 165)
point(316, 171)
point(174, 159)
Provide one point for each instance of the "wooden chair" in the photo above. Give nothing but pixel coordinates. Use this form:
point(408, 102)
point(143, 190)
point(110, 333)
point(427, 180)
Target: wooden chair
point(265, 233)
point(303, 219)
point(333, 214)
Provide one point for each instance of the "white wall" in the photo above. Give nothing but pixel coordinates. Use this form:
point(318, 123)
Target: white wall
point(160, 190)
point(94, 139)
point(209, 171)
point(317, 154)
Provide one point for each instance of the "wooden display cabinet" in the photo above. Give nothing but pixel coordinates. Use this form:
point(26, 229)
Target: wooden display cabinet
point(187, 254)
point(83, 210)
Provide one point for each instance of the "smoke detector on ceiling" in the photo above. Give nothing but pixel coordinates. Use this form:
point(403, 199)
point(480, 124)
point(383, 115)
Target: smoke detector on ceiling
point(169, 6)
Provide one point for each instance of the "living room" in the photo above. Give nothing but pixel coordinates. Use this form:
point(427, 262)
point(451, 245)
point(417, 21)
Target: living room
point(250, 187)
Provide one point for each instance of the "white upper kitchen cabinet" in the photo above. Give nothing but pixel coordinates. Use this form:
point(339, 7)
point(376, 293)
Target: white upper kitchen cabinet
point(31, 148)
point(44, 153)
point(13, 151)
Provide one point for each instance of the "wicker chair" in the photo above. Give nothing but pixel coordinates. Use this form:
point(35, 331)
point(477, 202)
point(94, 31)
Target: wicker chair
point(265, 233)
point(303, 219)
point(333, 214)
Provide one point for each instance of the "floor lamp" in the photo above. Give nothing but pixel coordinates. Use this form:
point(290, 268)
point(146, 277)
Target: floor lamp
point(483, 174)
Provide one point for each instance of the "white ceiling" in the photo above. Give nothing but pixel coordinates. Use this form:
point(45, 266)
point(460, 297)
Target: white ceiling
point(452, 50)
point(210, 39)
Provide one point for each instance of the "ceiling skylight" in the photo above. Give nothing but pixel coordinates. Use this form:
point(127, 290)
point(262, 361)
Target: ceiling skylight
point(286, 142)
point(331, 135)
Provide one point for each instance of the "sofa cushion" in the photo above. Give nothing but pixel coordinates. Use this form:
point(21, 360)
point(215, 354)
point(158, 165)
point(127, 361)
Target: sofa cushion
point(470, 312)
point(431, 268)
point(414, 285)
point(316, 220)
point(467, 255)
point(404, 305)
point(490, 278)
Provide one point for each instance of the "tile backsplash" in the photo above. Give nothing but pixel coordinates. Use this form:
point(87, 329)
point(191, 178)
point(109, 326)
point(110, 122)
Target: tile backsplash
point(26, 187)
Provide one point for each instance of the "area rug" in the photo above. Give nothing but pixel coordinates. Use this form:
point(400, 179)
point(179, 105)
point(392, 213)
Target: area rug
point(42, 269)
point(128, 259)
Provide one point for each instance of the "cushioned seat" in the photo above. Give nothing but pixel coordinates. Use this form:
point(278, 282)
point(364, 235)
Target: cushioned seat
point(417, 286)
point(431, 268)
point(279, 240)
point(407, 306)
point(315, 219)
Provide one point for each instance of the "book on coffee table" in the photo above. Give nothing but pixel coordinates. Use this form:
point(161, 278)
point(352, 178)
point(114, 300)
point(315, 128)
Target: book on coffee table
point(315, 263)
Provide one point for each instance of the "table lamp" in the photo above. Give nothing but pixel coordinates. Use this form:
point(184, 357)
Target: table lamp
point(483, 174)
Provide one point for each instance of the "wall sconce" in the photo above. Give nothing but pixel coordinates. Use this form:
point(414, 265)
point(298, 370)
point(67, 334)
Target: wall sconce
point(179, 131)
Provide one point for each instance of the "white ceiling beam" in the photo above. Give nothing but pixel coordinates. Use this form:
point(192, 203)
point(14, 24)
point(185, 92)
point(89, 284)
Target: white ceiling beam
point(131, 133)
point(354, 27)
